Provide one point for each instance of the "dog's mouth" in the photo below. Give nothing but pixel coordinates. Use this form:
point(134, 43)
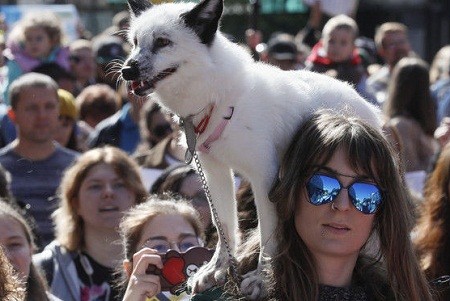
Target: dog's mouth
point(144, 87)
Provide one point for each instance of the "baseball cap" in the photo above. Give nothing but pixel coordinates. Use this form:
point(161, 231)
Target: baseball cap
point(282, 49)
point(107, 49)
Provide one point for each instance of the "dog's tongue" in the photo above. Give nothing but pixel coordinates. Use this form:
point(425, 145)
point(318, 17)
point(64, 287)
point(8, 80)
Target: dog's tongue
point(135, 85)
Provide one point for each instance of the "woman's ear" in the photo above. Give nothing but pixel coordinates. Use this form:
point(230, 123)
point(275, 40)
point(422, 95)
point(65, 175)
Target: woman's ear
point(127, 267)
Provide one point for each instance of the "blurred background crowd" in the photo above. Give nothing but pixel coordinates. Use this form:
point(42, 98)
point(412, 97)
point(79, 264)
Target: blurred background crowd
point(86, 137)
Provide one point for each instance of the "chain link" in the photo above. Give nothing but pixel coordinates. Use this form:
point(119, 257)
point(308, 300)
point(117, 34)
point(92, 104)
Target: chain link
point(233, 263)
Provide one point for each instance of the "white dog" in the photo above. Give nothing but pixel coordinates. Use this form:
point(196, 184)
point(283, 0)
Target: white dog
point(243, 113)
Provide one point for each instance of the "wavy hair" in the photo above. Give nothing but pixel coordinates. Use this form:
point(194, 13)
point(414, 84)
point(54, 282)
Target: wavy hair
point(432, 238)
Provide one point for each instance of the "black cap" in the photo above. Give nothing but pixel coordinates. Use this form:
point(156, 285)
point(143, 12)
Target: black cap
point(282, 49)
point(107, 49)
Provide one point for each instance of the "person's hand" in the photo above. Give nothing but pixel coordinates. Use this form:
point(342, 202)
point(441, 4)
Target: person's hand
point(142, 285)
point(442, 133)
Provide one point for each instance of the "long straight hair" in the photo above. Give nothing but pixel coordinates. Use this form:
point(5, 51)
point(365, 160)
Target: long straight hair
point(409, 94)
point(315, 143)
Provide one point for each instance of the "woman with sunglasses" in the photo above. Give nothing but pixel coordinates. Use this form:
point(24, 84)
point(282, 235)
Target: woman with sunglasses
point(338, 189)
point(148, 231)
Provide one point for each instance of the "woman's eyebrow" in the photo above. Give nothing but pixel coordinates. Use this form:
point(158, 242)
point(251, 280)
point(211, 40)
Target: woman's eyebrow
point(335, 172)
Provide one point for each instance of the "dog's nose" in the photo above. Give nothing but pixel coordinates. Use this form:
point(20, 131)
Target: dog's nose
point(131, 70)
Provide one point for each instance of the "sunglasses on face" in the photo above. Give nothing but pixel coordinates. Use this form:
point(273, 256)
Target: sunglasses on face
point(323, 189)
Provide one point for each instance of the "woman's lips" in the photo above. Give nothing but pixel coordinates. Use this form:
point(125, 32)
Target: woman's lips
point(336, 228)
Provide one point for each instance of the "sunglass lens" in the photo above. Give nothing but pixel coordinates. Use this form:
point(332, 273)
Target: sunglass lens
point(322, 189)
point(365, 197)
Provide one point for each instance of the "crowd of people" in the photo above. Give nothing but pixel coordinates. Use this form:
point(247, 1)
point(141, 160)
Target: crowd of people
point(94, 187)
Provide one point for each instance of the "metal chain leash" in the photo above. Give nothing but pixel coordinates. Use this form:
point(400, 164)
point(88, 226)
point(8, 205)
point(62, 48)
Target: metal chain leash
point(191, 140)
point(233, 263)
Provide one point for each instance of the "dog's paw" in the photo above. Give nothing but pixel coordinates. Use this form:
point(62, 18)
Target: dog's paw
point(214, 273)
point(252, 285)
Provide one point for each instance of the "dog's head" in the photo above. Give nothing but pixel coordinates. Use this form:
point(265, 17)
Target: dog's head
point(170, 44)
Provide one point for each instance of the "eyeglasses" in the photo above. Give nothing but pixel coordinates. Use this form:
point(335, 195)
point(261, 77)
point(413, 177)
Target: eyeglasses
point(323, 189)
point(162, 245)
point(161, 130)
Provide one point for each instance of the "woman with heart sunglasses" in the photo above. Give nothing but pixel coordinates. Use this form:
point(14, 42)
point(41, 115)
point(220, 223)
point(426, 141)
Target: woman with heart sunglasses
point(344, 218)
point(149, 231)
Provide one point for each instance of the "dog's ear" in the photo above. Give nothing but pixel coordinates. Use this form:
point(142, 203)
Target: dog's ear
point(137, 7)
point(204, 19)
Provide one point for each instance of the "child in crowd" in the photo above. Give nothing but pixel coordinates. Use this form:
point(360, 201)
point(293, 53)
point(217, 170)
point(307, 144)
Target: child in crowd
point(149, 230)
point(36, 39)
point(336, 54)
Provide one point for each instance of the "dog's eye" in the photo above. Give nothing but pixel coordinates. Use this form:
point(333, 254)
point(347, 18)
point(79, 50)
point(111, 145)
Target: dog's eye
point(162, 42)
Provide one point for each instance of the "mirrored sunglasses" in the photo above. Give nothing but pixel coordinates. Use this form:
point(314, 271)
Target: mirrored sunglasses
point(323, 189)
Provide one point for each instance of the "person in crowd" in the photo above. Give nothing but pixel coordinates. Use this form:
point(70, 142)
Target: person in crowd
point(183, 180)
point(336, 54)
point(411, 114)
point(149, 230)
point(440, 82)
point(339, 190)
point(121, 129)
point(319, 12)
point(155, 124)
point(109, 55)
point(431, 232)
point(35, 162)
point(10, 285)
point(66, 135)
point(82, 64)
point(440, 65)
point(17, 240)
point(119, 27)
point(160, 145)
point(392, 42)
point(94, 194)
point(282, 51)
point(36, 39)
point(61, 76)
point(95, 103)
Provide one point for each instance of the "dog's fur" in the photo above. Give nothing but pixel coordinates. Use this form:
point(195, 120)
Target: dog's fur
point(196, 66)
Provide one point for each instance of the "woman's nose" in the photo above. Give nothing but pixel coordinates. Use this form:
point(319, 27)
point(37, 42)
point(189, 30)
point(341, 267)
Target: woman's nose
point(342, 201)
